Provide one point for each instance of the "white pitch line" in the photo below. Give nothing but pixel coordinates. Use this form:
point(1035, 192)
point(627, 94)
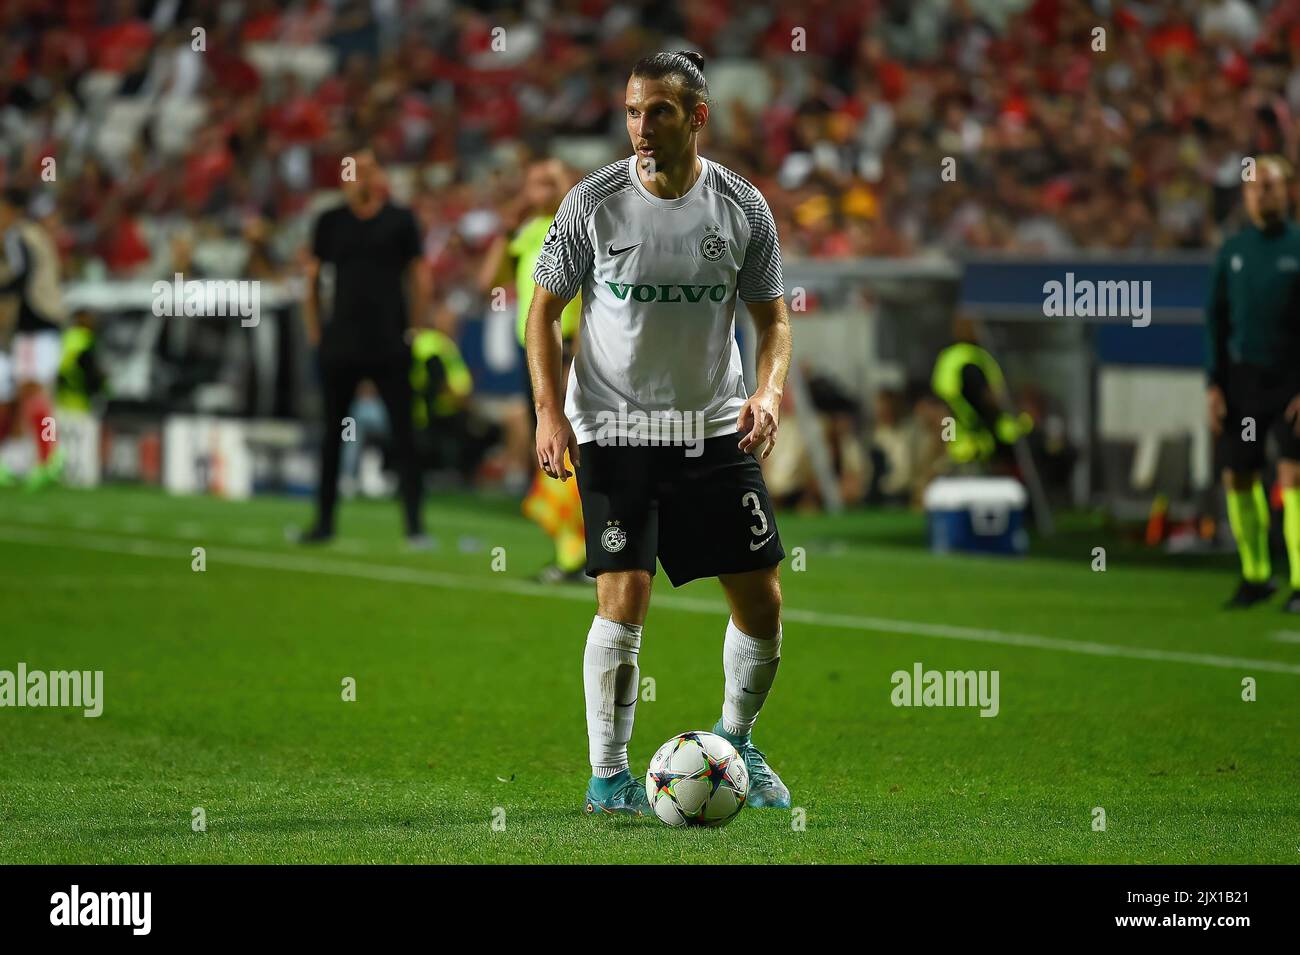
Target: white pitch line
point(115, 581)
point(1286, 636)
point(432, 578)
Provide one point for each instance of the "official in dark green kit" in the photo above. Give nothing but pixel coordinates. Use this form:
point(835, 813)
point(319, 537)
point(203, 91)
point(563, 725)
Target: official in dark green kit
point(1253, 364)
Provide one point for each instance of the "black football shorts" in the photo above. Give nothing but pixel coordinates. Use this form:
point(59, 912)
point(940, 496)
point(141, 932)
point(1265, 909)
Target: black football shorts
point(1261, 394)
point(701, 516)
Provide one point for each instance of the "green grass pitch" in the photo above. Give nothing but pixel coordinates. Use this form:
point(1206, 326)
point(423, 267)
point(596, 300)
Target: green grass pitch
point(223, 690)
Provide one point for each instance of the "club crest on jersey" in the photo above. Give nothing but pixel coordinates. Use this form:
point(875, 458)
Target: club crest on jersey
point(713, 245)
point(613, 539)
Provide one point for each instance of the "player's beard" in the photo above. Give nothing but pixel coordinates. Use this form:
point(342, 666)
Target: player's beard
point(1271, 219)
point(663, 162)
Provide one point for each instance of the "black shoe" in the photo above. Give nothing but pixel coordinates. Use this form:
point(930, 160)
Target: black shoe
point(1292, 604)
point(1248, 594)
point(316, 535)
point(420, 542)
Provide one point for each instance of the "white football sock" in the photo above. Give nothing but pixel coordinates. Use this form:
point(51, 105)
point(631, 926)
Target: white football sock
point(748, 668)
point(611, 680)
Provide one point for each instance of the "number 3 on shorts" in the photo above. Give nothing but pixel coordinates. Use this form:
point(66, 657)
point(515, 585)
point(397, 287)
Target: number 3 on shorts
point(750, 500)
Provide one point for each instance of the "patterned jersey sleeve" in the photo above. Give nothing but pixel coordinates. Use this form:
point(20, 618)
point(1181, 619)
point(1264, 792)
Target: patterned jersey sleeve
point(566, 255)
point(761, 278)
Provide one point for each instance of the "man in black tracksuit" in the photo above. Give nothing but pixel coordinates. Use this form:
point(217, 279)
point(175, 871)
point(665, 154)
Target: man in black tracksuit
point(374, 248)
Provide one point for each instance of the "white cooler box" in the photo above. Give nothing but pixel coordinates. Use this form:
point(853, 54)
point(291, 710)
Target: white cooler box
point(981, 514)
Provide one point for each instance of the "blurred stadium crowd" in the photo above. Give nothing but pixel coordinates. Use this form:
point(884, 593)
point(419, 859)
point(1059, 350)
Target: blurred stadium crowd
point(204, 135)
point(1058, 147)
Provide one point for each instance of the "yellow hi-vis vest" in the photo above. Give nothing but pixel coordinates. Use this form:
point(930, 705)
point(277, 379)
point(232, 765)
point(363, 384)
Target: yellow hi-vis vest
point(525, 247)
point(426, 345)
point(73, 392)
point(973, 438)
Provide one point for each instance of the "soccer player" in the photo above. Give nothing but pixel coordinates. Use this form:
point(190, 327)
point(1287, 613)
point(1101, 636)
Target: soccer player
point(375, 249)
point(29, 269)
point(661, 244)
point(1253, 363)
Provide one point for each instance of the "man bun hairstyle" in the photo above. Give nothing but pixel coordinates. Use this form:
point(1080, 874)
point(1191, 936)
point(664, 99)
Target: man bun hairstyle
point(694, 57)
point(683, 68)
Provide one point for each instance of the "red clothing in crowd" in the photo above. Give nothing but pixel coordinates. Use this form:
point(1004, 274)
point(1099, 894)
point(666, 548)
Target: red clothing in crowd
point(119, 47)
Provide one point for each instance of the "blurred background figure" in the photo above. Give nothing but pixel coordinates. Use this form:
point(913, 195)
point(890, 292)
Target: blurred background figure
point(1253, 371)
point(552, 504)
point(29, 365)
point(374, 250)
point(452, 438)
point(893, 451)
point(81, 379)
point(971, 382)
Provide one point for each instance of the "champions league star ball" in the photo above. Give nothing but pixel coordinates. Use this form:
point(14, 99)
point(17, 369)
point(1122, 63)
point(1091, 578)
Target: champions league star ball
point(697, 779)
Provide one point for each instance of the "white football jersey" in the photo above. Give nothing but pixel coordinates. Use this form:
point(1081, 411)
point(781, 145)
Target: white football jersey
point(659, 280)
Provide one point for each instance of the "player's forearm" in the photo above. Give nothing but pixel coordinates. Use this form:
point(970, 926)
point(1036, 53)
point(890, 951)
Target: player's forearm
point(14, 277)
point(13, 281)
point(311, 297)
point(490, 271)
point(1216, 324)
point(311, 310)
point(775, 346)
point(421, 295)
point(1216, 334)
point(543, 346)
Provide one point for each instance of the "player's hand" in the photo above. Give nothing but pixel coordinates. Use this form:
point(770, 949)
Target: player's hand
point(1293, 413)
point(554, 437)
point(1217, 408)
point(759, 420)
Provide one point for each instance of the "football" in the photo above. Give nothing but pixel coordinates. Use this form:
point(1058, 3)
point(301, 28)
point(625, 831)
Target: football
point(697, 779)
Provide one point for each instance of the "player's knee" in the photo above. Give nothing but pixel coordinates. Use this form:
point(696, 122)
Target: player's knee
point(1288, 473)
point(623, 595)
point(771, 608)
point(759, 612)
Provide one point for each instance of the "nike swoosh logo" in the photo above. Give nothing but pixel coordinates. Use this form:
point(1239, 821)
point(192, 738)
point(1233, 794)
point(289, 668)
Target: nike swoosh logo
point(745, 689)
point(613, 251)
point(755, 545)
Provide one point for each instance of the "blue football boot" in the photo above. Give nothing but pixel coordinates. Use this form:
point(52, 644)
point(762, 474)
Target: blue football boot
point(766, 791)
point(619, 795)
